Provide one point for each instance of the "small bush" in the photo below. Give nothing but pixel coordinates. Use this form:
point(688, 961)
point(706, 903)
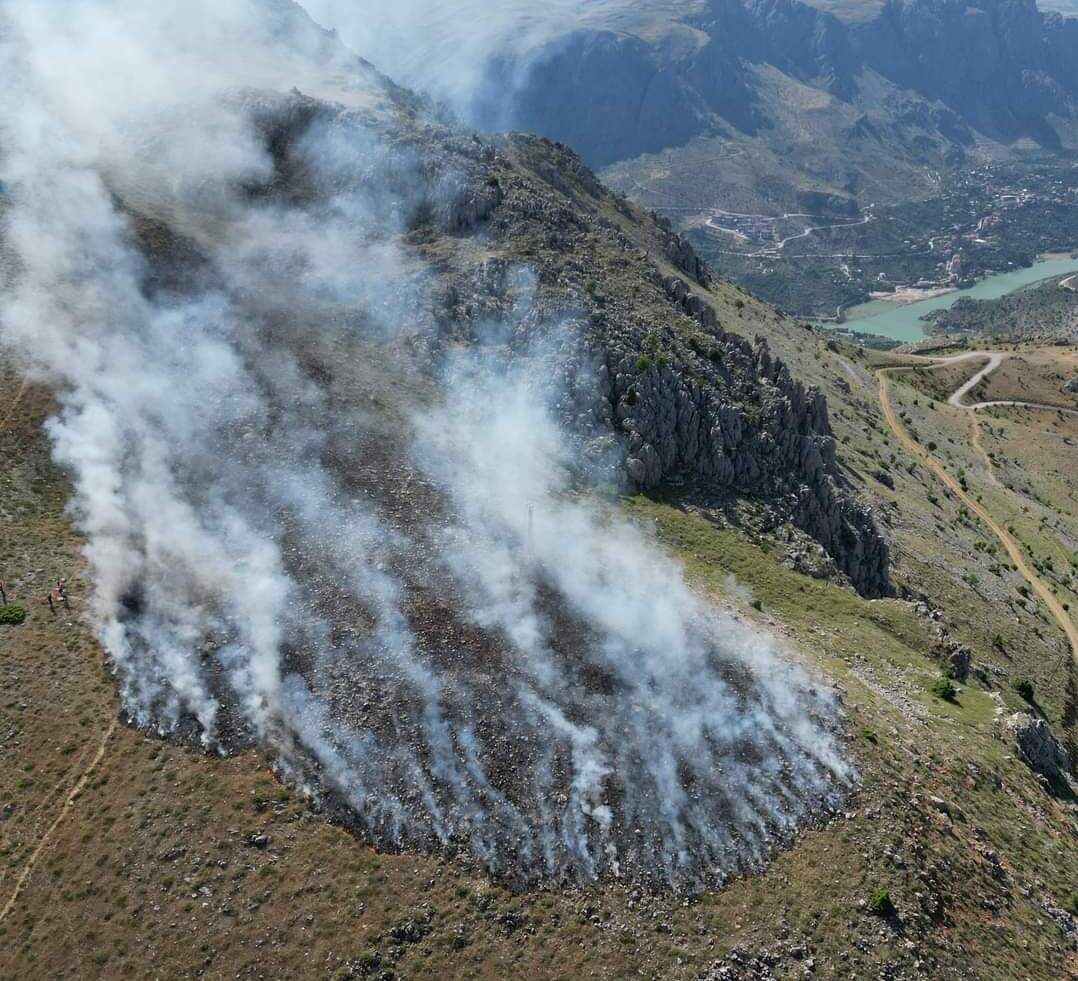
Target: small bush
point(1024, 687)
point(879, 902)
point(643, 363)
point(757, 605)
point(12, 613)
point(943, 688)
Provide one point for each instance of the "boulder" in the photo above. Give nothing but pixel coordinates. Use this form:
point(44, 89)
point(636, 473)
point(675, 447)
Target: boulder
point(959, 659)
point(1038, 748)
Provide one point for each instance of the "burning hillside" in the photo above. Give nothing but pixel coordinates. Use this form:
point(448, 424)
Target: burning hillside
point(341, 388)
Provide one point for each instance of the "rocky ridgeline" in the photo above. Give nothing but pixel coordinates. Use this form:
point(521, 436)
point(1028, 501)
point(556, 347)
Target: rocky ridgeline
point(1000, 67)
point(686, 398)
point(519, 231)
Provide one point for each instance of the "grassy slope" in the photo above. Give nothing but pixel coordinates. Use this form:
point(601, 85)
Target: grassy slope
point(112, 894)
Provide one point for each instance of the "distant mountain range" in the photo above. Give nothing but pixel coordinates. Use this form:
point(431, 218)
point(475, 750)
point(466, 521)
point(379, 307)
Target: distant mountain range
point(753, 101)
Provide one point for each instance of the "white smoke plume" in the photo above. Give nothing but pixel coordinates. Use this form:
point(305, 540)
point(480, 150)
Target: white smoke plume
point(390, 576)
point(448, 49)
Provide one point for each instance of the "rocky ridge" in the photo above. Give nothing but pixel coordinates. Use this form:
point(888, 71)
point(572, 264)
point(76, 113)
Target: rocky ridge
point(688, 400)
point(522, 233)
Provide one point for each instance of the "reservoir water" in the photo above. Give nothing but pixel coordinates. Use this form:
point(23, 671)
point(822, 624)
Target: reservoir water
point(902, 321)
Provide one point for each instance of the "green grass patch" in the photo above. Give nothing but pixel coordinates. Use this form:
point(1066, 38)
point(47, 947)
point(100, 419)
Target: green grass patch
point(879, 902)
point(12, 614)
point(710, 554)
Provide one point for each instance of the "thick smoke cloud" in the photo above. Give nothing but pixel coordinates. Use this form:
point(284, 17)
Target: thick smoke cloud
point(385, 569)
point(445, 49)
point(472, 55)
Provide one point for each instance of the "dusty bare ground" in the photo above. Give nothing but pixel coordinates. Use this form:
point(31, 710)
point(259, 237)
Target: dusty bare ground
point(1032, 374)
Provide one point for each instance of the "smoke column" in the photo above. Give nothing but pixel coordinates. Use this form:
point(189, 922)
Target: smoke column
point(317, 526)
point(448, 49)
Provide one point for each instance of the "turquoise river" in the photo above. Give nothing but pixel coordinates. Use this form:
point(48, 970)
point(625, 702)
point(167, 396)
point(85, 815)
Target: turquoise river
point(902, 321)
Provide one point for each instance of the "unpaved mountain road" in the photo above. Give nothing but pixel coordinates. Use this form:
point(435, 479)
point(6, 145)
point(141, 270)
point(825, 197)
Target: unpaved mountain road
point(995, 359)
point(1010, 545)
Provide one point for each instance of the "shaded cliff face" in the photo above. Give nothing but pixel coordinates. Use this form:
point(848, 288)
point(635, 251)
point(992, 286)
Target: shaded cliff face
point(997, 67)
point(1002, 66)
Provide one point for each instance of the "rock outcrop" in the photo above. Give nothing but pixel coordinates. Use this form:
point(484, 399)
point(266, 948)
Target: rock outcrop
point(1039, 749)
point(686, 398)
point(523, 235)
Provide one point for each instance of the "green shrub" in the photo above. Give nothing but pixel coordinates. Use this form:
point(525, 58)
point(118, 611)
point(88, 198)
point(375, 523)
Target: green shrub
point(879, 902)
point(643, 363)
point(943, 688)
point(1024, 687)
point(12, 613)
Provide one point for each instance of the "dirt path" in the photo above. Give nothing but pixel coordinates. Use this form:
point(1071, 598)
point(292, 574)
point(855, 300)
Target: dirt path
point(6, 421)
point(995, 359)
point(1005, 539)
point(69, 802)
point(975, 439)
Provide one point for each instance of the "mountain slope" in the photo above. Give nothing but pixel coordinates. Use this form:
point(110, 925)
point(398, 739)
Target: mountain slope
point(353, 391)
point(917, 82)
point(423, 470)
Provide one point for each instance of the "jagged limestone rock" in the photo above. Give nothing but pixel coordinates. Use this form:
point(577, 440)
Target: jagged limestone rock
point(1038, 747)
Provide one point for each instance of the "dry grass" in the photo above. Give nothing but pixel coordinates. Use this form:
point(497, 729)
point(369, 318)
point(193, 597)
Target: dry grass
point(1032, 374)
point(148, 875)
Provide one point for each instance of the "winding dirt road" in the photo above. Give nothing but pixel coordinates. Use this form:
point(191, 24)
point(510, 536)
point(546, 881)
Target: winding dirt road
point(1010, 545)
